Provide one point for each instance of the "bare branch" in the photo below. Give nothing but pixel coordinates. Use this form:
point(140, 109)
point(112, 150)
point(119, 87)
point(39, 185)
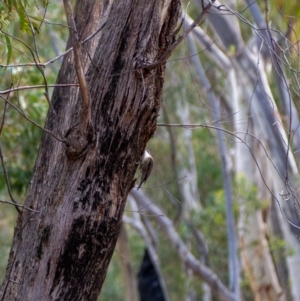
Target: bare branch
point(34, 123)
point(57, 57)
point(2, 159)
point(20, 88)
point(36, 64)
point(219, 289)
point(32, 32)
point(85, 105)
point(4, 112)
point(140, 227)
point(7, 182)
point(18, 205)
point(236, 135)
point(173, 162)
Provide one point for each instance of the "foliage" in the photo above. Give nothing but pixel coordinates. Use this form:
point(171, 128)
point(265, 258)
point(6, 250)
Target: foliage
point(246, 193)
point(20, 138)
point(211, 221)
point(113, 288)
point(279, 248)
point(20, 141)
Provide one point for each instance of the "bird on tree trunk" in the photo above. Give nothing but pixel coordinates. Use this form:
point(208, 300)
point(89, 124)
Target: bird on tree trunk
point(146, 166)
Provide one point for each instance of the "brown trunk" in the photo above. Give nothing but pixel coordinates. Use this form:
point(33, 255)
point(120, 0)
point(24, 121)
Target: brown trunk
point(62, 251)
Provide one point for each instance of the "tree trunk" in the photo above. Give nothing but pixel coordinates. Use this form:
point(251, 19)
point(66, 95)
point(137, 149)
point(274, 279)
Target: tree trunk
point(78, 190)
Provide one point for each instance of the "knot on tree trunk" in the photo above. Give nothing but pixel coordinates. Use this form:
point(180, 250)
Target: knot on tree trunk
point(141, 61)
point(79, 140)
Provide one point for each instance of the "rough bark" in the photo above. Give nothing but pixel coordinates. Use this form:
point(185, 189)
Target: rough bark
point(79, 189)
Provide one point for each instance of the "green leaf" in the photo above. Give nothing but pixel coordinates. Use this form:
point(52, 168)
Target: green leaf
point(9, 49)
point(22, 21)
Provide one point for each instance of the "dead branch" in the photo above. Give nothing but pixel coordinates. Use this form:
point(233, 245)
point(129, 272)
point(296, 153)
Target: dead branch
point(20, 88)
point(85, 99)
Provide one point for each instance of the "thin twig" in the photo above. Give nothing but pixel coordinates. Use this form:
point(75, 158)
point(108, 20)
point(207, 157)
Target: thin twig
point(57, 57)
point(44, 15)
point(7, 182)
point(235, 134)
point(36, 64)
point(20, 41)
point(1, 156)
point(4, 112)
point(34, 123)
point(36, 87)
point(32, 32)
point(19, 205)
